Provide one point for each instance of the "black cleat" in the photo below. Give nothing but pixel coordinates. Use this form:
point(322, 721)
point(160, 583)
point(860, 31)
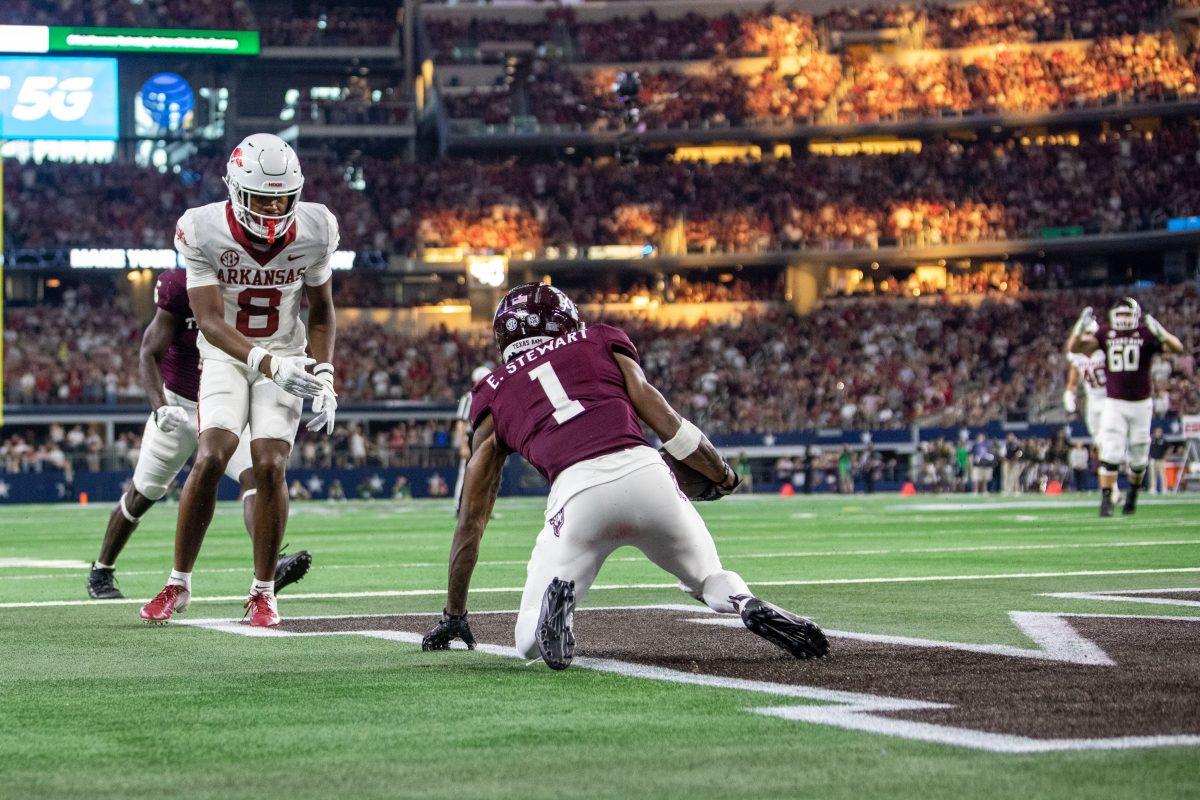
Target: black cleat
point(555, 641)
point(800, 636)
point(1130, 507)
point(1106, 507)
point(102, 584)
point(289, 569)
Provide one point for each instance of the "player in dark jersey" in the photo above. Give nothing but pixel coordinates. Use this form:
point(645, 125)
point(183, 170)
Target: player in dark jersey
point(1129, 342)
point(169, 369)
point(571, 398)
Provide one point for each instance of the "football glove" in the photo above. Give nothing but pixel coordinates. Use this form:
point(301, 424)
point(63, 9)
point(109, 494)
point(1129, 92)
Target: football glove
point(324, 405)
point(1155, 327)
point(449, 628)
point(1069, 402)
point(289, 374)
point(170, 418)
point(718, 490)
point(1086, 322)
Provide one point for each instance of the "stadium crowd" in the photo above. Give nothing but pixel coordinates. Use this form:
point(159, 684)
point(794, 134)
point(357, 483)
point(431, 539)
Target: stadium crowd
point(768, 31)
point(873, 363)
point(1136, 67)
point(948, 192)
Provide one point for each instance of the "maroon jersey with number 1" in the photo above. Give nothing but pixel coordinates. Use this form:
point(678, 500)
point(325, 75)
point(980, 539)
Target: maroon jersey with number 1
point(562, 402)
point(180, 365)
point(1128, 355)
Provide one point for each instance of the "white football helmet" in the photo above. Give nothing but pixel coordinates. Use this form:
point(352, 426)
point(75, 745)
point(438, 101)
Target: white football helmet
point(266, 166)
point(1125, 315)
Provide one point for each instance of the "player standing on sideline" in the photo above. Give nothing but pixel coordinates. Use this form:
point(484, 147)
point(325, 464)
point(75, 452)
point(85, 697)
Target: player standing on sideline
point(1088, 369)
point(462, 432)
point(169, 369)
point(569, 399)
point(1129, 342)
point(248, 262)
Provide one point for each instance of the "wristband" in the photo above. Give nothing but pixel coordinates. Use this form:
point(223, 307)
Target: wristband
point(685, 441)
point(322, 369)
point(257, 354)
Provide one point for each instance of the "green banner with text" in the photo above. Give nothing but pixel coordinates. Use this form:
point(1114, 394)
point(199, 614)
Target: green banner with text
point(153, 40)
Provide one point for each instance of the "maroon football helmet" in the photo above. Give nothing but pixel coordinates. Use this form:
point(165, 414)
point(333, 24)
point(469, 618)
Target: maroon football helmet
point(530, 314)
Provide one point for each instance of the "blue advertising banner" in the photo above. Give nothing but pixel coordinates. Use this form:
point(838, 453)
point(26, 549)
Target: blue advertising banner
point(58, 98)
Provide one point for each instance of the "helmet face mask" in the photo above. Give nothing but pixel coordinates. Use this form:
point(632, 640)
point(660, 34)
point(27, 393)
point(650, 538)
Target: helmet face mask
point(531, 314)
point(1126, 315)
point(261, 169)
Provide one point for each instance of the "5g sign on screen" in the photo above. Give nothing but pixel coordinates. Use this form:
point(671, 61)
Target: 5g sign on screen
point(58, 98)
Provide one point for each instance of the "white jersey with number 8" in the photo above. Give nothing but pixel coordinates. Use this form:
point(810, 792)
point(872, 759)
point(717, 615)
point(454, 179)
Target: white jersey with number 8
point(261, 288)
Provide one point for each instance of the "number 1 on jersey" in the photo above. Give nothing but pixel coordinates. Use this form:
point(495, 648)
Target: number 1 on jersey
point(564, 407)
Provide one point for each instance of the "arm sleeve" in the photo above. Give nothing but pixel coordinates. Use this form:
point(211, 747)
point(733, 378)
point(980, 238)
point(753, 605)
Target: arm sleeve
point(619, 342)
point(200, 271)
point(481, 404)
point(322, 271)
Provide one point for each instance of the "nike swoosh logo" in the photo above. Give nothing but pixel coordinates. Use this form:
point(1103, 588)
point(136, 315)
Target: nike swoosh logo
point(293, 258)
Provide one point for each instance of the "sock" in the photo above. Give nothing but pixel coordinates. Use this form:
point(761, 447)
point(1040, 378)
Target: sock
point(740, 600)
point(178, 578)
point(1106, 493)
point(98, 565)
point(263, 587)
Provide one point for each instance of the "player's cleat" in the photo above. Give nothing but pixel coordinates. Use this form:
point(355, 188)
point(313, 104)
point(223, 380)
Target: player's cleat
point(1130, 507)
point(555, 641)
point(1106, 505)
point(801, 637)
point(102, 584)
point(172, 598)
point(262, 610)
point(291, 568)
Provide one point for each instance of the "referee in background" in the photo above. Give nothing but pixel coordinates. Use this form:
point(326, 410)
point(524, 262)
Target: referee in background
point(462, 433)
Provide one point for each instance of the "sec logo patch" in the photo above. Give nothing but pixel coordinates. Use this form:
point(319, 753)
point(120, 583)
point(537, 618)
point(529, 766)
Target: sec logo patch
point(230, 258)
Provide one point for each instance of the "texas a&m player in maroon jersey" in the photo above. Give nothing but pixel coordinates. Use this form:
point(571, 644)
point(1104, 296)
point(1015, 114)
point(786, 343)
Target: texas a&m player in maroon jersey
point(570, 398)
point(169, 369)
point(1129, 342)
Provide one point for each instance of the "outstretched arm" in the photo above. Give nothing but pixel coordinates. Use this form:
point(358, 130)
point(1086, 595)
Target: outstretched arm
point(657, 413)
point(155, 341)
point(1082, 339)
point(481, 484)
point(322, 321)
point(1069, 393)
point(1170, 342)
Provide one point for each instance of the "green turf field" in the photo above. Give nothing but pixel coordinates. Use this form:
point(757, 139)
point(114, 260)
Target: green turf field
point(95, 704)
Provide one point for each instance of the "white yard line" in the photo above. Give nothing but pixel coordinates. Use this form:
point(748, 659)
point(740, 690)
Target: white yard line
point(439, 591)
point(995, 548)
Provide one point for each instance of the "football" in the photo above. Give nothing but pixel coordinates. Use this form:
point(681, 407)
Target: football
point(691, 482)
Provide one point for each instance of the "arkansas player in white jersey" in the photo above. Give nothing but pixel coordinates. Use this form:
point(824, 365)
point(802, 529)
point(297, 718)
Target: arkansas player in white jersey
point(1128, 342)
point(1088, 370)
point(248, 262)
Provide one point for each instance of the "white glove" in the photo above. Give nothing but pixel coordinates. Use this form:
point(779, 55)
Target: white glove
point(1155, 327)
point(170, 418)
point(324, 405)
point(288, 372)
point(1069, 402)
point(1086, 322)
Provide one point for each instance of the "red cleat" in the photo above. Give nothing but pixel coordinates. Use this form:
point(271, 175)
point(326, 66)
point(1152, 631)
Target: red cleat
point(261, 610)
point(171, 599)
